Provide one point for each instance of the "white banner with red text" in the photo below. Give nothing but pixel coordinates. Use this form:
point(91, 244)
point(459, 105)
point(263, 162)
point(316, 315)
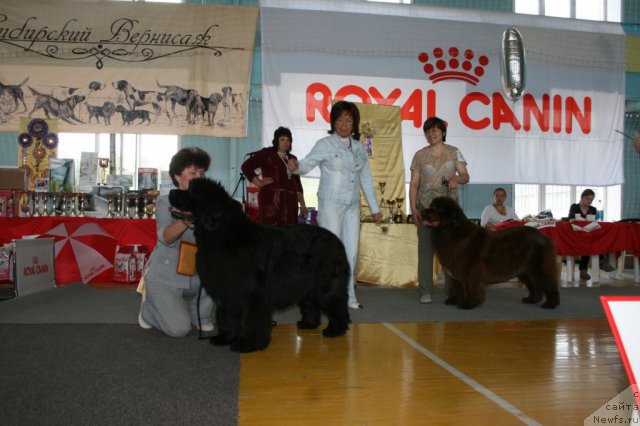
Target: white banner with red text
point(446, 62)
point(127, 67)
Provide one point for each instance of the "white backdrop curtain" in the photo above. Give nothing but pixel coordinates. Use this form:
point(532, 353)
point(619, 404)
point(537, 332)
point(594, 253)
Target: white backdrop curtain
point(562, 131)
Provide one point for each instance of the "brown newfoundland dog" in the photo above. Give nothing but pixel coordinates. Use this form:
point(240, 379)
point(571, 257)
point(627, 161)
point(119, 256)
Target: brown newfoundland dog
point(474, 256)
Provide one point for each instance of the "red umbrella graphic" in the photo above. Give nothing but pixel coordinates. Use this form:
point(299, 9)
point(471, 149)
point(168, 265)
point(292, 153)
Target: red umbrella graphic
point(82, 252)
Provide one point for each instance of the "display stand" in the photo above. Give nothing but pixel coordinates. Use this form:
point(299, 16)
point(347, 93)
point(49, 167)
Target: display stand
point(33, 265)
point(242, 183)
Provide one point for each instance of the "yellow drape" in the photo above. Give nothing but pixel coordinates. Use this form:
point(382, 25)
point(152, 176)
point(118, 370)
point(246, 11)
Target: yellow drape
point(386, 162)
point(389, 255)
point(633, 53)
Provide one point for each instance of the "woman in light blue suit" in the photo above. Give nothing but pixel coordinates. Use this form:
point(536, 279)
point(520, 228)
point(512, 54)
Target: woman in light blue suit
point(164, 305)
point(344, 170)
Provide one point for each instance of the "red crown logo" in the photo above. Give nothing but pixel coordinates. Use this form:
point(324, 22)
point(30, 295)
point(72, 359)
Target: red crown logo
point(439, 67)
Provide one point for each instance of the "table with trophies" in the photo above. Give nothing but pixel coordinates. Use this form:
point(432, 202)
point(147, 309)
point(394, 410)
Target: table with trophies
point(388, 253)
point(39, 199)
point(119, 205)
point(129, 218)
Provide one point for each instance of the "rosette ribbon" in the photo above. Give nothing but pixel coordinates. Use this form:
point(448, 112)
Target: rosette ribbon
point(38, 128)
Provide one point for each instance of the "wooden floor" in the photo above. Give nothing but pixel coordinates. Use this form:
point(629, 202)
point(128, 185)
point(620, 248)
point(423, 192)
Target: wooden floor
point(498, 373)
point(548, 372)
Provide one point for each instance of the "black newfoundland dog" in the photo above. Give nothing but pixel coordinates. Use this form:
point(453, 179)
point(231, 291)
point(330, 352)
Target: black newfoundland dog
point(251, 270)
point(474, 256)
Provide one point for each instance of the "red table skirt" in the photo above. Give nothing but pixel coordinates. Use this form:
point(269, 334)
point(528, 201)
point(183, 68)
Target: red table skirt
point(125, 231)
point(611, 237)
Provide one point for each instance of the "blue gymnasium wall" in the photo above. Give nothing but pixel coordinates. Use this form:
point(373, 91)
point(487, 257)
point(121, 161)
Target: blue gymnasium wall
point(631, 188)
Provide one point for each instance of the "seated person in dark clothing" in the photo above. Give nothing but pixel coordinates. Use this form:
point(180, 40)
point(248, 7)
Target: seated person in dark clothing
point(584, 208)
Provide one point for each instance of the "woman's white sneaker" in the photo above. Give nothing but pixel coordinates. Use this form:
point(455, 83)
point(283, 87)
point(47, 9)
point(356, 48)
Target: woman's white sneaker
point(426, 299)
point(142, 322)
point(208, 327)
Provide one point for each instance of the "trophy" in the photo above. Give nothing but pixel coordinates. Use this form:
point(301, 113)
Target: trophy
point(150, 205)
point(397, 218)
point(54, 199)
point(109, 206)
point(128, 209)
point(136, 204)
point(25, 201)
point(117, 206)
point(132, 205)
point(391, 203)
point(82, 201)
point(383, 186)
point(104, 164)
point(45, 201)
point(36, 204)
point(63, 207)
point(72, 203)
point(145, 201)
point(150, 210)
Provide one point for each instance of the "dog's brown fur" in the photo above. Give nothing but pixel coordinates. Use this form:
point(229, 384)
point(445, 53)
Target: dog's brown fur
point(474, 256)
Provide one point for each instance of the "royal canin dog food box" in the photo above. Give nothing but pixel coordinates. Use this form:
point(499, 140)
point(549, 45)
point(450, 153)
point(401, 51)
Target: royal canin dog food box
point(129, 263)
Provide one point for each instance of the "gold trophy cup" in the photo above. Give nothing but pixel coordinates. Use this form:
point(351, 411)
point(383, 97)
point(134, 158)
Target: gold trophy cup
point(104, 165)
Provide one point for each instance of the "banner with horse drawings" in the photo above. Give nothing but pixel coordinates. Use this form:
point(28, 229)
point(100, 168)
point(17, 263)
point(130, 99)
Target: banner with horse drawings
point(127, 67)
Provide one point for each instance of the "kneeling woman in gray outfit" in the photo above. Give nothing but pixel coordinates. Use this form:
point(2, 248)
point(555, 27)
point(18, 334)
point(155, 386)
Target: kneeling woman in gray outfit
point(164, 301)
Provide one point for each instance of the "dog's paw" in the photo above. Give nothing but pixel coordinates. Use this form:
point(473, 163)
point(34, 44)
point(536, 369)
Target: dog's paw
point(244, 345)
point(465, 305)
point(302, 325)
point(450, 301)
point(220, 340)
point(334, 331)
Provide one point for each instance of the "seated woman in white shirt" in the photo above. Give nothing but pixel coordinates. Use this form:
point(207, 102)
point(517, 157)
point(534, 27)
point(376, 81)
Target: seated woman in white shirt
point(497, 212)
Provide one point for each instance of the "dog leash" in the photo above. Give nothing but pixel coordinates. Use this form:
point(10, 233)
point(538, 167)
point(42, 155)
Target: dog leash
point(198, 314)
point(445, 184)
